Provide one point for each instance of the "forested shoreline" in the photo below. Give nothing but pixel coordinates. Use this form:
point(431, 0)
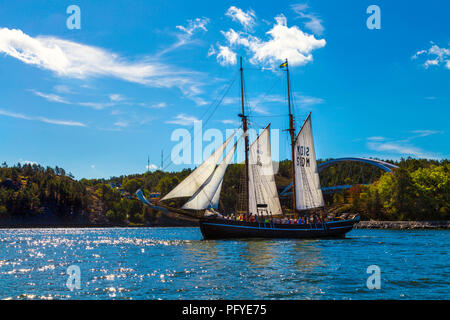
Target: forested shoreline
point(418, 190)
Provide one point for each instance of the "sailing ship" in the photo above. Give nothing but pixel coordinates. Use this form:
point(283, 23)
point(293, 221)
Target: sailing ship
point(263, 216)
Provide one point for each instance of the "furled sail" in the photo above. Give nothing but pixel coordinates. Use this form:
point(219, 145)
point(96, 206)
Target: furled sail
point(307, 183)
point(198, 177)
point(263, 195)
point(208, 195)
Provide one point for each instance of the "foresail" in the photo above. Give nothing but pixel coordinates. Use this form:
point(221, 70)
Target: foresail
point(198, 177)
point(307, 182)
point(261, 184)
point(208, 195)
point(216, 197)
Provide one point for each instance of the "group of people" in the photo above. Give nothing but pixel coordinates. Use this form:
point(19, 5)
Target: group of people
point(266, 219)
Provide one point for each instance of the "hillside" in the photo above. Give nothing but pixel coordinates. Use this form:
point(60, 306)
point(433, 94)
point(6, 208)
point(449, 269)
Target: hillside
point(31, 195)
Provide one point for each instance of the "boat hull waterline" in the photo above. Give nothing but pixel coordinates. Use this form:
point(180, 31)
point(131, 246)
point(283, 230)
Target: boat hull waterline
point(213, 228)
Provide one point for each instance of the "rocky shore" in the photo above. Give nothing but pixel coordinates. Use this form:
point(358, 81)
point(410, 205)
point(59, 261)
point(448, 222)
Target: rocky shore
point(403, 225)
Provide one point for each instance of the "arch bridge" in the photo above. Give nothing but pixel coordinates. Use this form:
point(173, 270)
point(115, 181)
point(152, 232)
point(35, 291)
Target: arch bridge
point(343, 174)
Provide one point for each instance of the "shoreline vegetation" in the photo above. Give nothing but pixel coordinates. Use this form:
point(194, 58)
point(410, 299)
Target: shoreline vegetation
point(414, 196)
point(392, 225)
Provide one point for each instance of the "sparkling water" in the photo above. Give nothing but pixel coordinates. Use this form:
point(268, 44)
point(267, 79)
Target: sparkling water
point(175, 263)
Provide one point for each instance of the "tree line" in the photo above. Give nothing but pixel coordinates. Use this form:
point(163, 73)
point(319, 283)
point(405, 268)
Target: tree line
point(418, 190)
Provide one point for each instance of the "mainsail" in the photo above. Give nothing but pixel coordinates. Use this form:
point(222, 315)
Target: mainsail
point(198, 177)
point(307, 183)
point(208, 195)
point(261, 183)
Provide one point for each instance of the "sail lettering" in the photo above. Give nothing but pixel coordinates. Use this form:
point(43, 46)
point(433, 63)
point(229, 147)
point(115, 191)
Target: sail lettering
point(303, 156)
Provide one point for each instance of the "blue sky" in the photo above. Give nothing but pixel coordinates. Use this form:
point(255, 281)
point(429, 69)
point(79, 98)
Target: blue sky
point(98, 100)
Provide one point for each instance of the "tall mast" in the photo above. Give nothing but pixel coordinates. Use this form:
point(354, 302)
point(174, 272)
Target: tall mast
point(292, 133)
point(244, 126)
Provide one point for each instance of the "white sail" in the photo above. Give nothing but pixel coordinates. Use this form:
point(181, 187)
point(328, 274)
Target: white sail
point(261, 183)
point(208, 195)
point(216, 197)
point(198, 177)
point(307, 183)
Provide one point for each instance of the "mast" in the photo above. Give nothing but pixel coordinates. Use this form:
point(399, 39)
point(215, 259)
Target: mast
point(244, 127)
point(292, 134)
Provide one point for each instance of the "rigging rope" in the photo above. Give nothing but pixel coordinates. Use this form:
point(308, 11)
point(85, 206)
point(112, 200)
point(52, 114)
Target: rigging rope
point(217, 103)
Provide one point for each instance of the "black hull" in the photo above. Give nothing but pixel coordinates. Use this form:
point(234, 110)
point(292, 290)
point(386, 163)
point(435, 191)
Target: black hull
point(213, 228)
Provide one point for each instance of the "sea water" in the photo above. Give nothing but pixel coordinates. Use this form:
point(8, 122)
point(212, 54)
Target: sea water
point(176, 263)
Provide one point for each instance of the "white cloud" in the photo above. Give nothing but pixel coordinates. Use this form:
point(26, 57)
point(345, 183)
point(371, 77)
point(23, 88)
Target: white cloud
point(193, 25)
point(211, 51)
point(50, 97)
point(263, 101)
point(116, 97)
point(306, 101)
point(96, 105)
point(402, 147)
point(230, 100)
point(283, 43)
point(152, 166)
point(67, 58)
point(74, 60)
point(159, 105)
point(433, 62)
point(313, 23)
point(397, 148)
point(259, 109)
point(246, 19)
point(425, 133)
point(121, 124)
point(286, 43)
point(300, 100)
point(226, 56)
point(62, 89)
point(376, 138)
point(234, 38)
point(229, 121)
point(41, 119)
point(186, 34)
point(183, 120)
point(271, 98)
point(56, 98)
point(435, 56)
